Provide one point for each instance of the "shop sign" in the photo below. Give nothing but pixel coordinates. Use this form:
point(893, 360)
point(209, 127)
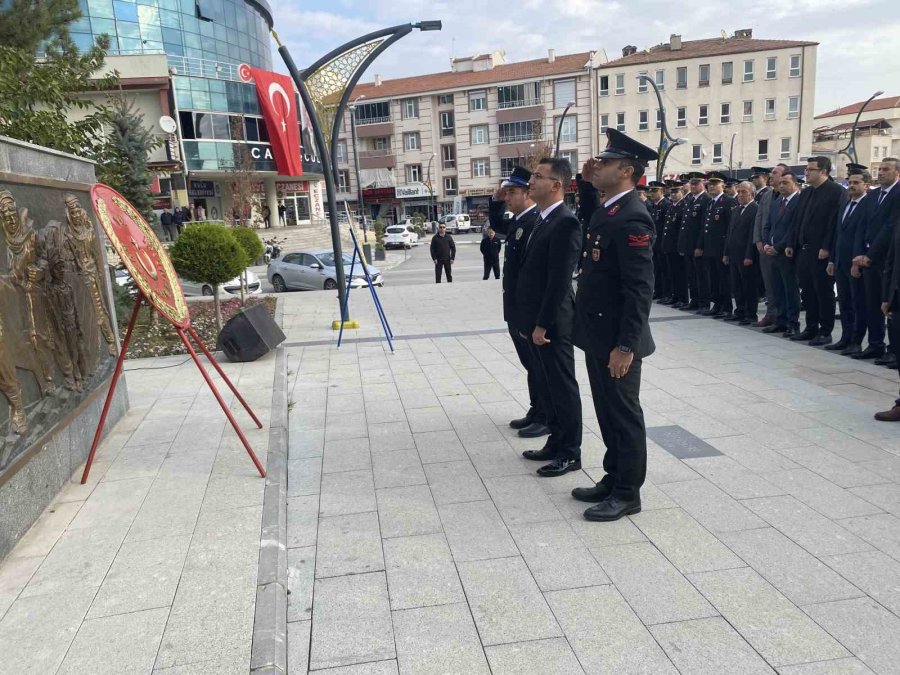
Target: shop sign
point(412, 191)
point(293, 186)
point(202, 188)
point(379, 194)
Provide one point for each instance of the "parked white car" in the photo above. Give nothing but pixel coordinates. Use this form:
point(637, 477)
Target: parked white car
point(230, 289)
point(314, 269)
point(401, 236)
point(457, 223)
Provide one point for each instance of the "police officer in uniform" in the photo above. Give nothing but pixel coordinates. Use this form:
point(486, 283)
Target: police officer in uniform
point(659, 206)
point(691, 227)
point(615, 290)
point(667, 242)
point(713, 274)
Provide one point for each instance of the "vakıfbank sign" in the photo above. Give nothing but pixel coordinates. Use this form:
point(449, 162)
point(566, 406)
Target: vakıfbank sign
point(412, 192)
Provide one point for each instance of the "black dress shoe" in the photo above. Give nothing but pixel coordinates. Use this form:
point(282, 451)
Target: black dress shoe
point(820, 340)
point(838, 346)
point(667, 301)
point(789, 333)
point(523, 422)
point(869, 352)
point(559, 466)
point(749, 321)
point(765, 322)
point(850, 349)
point(774, 328)
point(534, 430)
point(613, 508)
point(803, 336)
point(733, 318)
point(723, 316)
point(545, 454)
point(888, 360)
point(592, 494)
point(693, 304)
point(708, 312)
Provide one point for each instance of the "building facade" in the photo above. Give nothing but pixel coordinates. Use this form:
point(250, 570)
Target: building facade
point(877, 133)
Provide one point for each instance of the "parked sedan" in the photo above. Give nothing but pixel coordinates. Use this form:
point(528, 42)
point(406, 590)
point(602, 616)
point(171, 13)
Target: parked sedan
point(315, 270)
point(401, 236)
point(230, 289)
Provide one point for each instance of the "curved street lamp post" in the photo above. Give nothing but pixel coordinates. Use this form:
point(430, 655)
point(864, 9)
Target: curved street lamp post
point(667, 142)
point(559, 130)
point(850, 150)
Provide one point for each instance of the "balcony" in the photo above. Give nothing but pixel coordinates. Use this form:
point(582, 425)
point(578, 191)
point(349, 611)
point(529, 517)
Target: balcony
point(377, 159)
point(520, 111)
point(373, 120)
point(374, 129)
point(522, 138)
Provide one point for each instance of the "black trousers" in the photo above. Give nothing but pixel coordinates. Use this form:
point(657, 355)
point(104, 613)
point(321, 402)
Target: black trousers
point(713, 282)
point(535, 399)
point(872, 301)
point(659, 272)
point(618, 407)
point(745, 287)
point(690, 266)
point(170, 232)
point(851, 298)
point(677, 270)
point(442, 265)
point(559, 388)
point(894, 330)
point(492, 264)
point(787, 292)
point(817, 289)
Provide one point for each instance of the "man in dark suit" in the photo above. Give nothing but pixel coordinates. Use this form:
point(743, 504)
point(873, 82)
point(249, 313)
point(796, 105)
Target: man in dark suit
point(513, 195)
point(691, 228)
point(615, 290)
point(712, 274)
point(490, 252)
point(890, 295)
point(766, 182)
point(443, 253)
point(741, 256)
point(659, 206)
point(816, 216)
point(667, 243)
point(545, 311)
point(850, 291)
point(778, 235)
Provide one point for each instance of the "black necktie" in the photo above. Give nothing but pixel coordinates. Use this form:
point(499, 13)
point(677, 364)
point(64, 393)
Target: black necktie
point(534, 231)
point(849, 211)
point(882, 196)
point(783, 203)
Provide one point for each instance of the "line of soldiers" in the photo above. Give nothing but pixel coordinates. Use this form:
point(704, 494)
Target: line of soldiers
point(722, 244)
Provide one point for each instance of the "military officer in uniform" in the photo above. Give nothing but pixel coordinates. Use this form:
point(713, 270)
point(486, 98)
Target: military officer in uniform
point(659, 206)
point(667, 242)
point(691, 227)
point(615, 290)
point(713, 274)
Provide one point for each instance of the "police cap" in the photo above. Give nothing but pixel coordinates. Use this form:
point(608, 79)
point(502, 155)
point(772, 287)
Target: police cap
point(619, 146)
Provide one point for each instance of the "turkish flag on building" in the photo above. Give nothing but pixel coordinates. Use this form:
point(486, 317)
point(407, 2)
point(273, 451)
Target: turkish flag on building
point(278, 105)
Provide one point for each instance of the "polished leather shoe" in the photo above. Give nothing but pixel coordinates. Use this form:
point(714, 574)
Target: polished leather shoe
point(789, 333)
point(692, 305)
point(850, 350)
point(667, 301)
point(613, 508)
point(722, 316)
point(889, 360)
point(773, 328)
point(592, 494)
point(534, 430)
point(747, 322)
point(869, 352)
point(559, 466)
point(708, 312)
point(820, 341)
point(803, 336)
point(523, 422)
point(892, 415)
point(733, 318)
point(545, 454)
point(838, 346)
point(764, 322)
point(679, 305)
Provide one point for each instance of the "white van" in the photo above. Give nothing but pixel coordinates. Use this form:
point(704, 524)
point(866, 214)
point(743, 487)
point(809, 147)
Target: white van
point(457, 223)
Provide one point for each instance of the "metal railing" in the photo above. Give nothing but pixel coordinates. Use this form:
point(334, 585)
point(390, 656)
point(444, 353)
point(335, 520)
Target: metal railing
point(522, 103)
point(373, 120)
point(367, 154)
point(193, 67)
point(522, 138)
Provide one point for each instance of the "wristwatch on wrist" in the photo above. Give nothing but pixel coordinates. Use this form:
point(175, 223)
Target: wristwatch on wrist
point(624, 349)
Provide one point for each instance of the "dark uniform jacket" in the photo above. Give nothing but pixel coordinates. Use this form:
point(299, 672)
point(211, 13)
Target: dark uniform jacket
point(615, 287)
point(715, 226)
point(692, 223)
point(658, 213)
point(778, 230)
point(816, 213)
point(544, 295)
point(490, 248)
point(739, 244)
point(891, 276)
point(671, 227)
point(876, 233)
point(443, 248)
point(845, 229)
point(516, 232)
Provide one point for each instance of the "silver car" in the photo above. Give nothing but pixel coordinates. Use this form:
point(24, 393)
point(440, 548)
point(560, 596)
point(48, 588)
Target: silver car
point(315, 270)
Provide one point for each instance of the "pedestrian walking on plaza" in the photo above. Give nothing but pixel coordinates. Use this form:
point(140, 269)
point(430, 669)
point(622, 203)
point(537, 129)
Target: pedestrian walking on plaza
point(267, 213)
point(490, 251)
point(178, 219)
point(165, 219)
point(545, 311)
point(615, 290)
point(443, 253)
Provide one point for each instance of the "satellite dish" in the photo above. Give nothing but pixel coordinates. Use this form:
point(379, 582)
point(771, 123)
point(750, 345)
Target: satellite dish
point(168, 124)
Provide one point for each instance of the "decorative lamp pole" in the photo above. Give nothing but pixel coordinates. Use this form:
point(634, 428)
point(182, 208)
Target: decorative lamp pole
point(850, 150)
point(559, 130)
point(667, 142)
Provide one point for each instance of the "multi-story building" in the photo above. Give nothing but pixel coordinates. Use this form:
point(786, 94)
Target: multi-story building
point(877, 133)
point(739, 101)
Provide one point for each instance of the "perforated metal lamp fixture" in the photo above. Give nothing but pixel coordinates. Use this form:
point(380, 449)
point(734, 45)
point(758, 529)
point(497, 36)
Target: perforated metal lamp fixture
point(428, 25)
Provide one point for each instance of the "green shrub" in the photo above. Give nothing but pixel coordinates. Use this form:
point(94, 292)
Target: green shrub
point(249, 241)
point(379, 235)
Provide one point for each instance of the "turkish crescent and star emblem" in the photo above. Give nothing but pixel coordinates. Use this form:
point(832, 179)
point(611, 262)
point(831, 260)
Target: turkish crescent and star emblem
point(519, 233)
point(275, 93)
point(276, 88)
point(245, 73)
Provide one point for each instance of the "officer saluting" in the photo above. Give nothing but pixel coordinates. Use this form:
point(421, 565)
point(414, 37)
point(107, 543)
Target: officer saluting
point(612, 308)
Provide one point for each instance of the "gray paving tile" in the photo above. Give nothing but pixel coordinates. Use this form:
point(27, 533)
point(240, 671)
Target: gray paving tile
point(305, 443)
point(712, 508)
point(298, 646)
point(304, 476)
point(438, 640)
point(497, 458)
point(112, 504)
point(886, 497)
point(656, 591)
point(116, 644)
point(775, 627)
point(439, 446)
point(708, 646)
point(301, 574)
point(802, 578)
point(732, 478)
point(407, 511)
point(347, 454)
point(684, 542)
point(519, 499)
point(428, 419)
point(348, 544)
point(421, 572)
point(455, 482)
point(831, 466)
point(888, 467)
point(548, 657)
point(747, 452)
point(822, 495)
point(881, 531)
point(390, 436)
point(874, 573)
point(40, 539)
point(14, 576)
point(137, 462)
point(345, 493)
point(622, 531)
point(171, 508)
point(475, 531)
point(398, 468)
point(556, 557)
point(493, 588)
point(663, 468)
point(371, 668)
point(848, 666)
point(351, 621)
point(605, 634)
point(866, 628)
point(302, 521)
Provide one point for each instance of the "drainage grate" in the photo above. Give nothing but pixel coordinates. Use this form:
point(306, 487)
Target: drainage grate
point(681, 443)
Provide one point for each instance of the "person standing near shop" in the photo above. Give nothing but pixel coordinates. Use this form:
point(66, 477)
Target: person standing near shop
point(443, 253)
point(490, 251)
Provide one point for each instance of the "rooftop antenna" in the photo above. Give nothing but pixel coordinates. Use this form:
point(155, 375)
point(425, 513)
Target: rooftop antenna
point(724, 34)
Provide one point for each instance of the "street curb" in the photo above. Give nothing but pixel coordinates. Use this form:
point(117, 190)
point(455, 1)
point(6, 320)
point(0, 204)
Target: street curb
point(268, 653)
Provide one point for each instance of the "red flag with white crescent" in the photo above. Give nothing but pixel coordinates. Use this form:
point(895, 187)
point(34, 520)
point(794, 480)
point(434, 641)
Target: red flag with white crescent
point(277, 103)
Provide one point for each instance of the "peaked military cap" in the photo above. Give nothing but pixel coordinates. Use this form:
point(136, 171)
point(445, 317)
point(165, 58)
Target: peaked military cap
point(732, 181)
point(716, 175)
point(856, 168)
point(656, 184)
point(759, 171)
point(518, 178)
point(641, 188)
point(619, 146)
point(672, 184)
point(695, 176)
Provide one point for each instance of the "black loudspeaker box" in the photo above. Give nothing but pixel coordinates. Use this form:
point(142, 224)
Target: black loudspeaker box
point(249, 334)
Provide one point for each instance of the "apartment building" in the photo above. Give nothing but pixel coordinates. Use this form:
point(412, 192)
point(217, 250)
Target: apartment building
point(877, 133)
point(739, 101)
point(441, 142)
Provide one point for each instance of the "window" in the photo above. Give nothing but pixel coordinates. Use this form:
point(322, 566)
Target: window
point(519, 95)
point(517, 132)
point(448, 156)
point(727, 72)
point(413, 173)
point(478, 100)
point(785, 148)
point(604, 122)
point(661, 78)
point(793, 107)
point(568, 132)
point(410, 108)
point(763, 152)
point(771, 67)
point(642, 83)
point(604, 85)
point(507, 164)
point(481, 167)
point(620, 83)
point(725, 113)
point(450, 188)
point(748, 70)
point(681, 117)
point(681, 77)
point(373, 113)
point(696, 154)
point(704, 75)
point(381, 143)
point(342, 151)
point(770, 108)
point(448, 127)
point(717, 153)
point(343, 181)
point(620, 121)
point(795, 65)
point(478, 135)
point(411, 141)
point(445, 99)
point(875, 152)
point(643, 120)
point(571, 156)
point(703, 117)
point(563, 93)
point(658, 119)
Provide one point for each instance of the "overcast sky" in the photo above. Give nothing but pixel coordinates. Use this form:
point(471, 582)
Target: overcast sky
point(858, 39)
